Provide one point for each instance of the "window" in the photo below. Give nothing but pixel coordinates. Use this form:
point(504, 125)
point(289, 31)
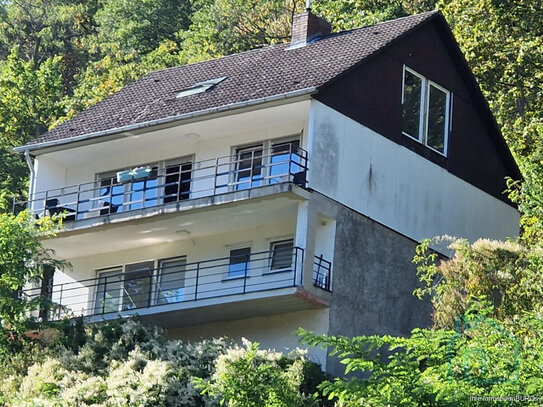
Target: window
point(177, 182)
point(109, 291)
point(249, 167)
point(281, 255)
point(144, 193)
point(111, 193)
point(200, 87)
point(167, 181)
point(269, 162)
point(239, 262)
point(425, 111)
point(283, 160)
point(171, 280)
point(121, 289)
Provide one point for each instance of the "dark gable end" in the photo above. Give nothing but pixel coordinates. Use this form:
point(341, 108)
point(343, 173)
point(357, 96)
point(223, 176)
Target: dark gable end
point(371, 92)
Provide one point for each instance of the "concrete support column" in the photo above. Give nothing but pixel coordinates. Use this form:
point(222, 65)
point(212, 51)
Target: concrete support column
point(305, 238)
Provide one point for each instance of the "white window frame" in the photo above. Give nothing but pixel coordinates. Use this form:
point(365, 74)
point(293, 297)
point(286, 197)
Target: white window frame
point(122, 273)
point(272, 246)
point(227, 276)
point(157, 277)
point(265, 146)
point(161, 179)
point(422, 103)
point(422, 137)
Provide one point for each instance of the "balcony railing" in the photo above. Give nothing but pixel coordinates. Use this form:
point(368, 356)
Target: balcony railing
point(322, 273)
point(179, 282)
point(163, 184)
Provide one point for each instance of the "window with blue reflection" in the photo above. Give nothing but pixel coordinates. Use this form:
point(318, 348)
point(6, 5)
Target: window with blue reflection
point(239, 262)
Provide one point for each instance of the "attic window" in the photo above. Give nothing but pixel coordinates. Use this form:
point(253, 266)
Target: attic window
point(200, 87)
point(426, 110)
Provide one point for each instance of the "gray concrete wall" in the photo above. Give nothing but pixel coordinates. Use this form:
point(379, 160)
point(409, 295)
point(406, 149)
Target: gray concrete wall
point(373, 281)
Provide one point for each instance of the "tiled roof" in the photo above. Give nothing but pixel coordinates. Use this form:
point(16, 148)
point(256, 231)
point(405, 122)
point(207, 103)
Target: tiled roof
point(251, 75)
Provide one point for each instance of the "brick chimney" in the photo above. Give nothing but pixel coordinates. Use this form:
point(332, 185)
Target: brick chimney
point(307, 26)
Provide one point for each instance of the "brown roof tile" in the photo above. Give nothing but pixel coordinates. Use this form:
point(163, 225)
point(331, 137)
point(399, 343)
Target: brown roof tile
point(251, 75)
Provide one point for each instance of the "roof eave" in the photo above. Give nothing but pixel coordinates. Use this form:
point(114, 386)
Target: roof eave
point(300, 93)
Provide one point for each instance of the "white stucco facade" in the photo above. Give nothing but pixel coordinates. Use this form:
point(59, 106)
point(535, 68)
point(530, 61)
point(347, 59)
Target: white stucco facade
point(397, 187)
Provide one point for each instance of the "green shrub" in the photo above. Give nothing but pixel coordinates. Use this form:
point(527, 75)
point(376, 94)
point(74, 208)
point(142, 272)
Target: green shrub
point(247, 376)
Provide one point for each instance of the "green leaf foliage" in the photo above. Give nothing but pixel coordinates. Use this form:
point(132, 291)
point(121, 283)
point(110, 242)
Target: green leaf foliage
point(505, 273)
point(481, 362)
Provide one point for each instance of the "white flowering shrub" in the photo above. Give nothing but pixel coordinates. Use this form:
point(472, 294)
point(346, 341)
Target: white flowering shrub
point(125, 363)
point(119, 364)
point(247, 376)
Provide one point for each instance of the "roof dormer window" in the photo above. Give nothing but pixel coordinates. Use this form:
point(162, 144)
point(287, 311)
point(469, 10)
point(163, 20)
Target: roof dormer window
point(200, 87)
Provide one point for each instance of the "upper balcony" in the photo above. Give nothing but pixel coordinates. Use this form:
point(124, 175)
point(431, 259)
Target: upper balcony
point(170, 186)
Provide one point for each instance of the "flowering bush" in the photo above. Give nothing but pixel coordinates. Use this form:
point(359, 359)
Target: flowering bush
point(119, 364)
point(247, 376)
point(125, 363)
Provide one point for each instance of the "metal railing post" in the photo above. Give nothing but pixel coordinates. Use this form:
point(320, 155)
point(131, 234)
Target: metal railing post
point(45, 204)
point(77, 201)
point(197, 281)
point(216, 175)
point(60, 297)
point(245, 277)
point(111, 197)
point(150, 291)
point(104, 295)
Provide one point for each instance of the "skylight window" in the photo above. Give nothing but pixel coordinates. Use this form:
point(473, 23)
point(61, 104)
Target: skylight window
point(200, 87)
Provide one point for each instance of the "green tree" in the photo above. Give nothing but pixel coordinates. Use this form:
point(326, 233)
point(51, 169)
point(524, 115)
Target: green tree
point(23, 261)
point(349, 14)
point(505, 273)
point(29, 104)
point(222, 27)
point(141, 25)
point(478, 364)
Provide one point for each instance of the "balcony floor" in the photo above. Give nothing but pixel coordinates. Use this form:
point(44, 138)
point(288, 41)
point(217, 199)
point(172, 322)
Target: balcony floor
point(176, 221)
point(242, 306)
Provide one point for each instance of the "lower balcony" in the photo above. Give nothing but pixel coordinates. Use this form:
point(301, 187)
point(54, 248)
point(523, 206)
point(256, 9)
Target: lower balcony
point(177, 293)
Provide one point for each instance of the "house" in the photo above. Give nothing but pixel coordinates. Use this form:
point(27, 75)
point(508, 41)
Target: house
point(282, 187)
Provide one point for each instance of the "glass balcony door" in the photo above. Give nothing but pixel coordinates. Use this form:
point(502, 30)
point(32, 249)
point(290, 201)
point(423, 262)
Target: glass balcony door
point(122, 289)
point(171, 281)
point(270, 162)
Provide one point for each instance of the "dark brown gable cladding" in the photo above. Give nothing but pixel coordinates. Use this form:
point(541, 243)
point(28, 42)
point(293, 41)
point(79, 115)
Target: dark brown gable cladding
point(371, 95)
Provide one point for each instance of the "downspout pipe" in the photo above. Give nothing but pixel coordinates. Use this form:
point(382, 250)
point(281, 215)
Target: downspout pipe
point(30, 164)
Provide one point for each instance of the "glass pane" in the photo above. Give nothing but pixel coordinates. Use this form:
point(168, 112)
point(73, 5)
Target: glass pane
point(171, 281)
point(111, 194)
point(437, 110)
point(137, 285)
point(177, 182)
point(411, 104)
point(282, 255)
point(283, 161)
point(108, 292)
point(239, 262)
point(249, 167)
point(144, 192)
